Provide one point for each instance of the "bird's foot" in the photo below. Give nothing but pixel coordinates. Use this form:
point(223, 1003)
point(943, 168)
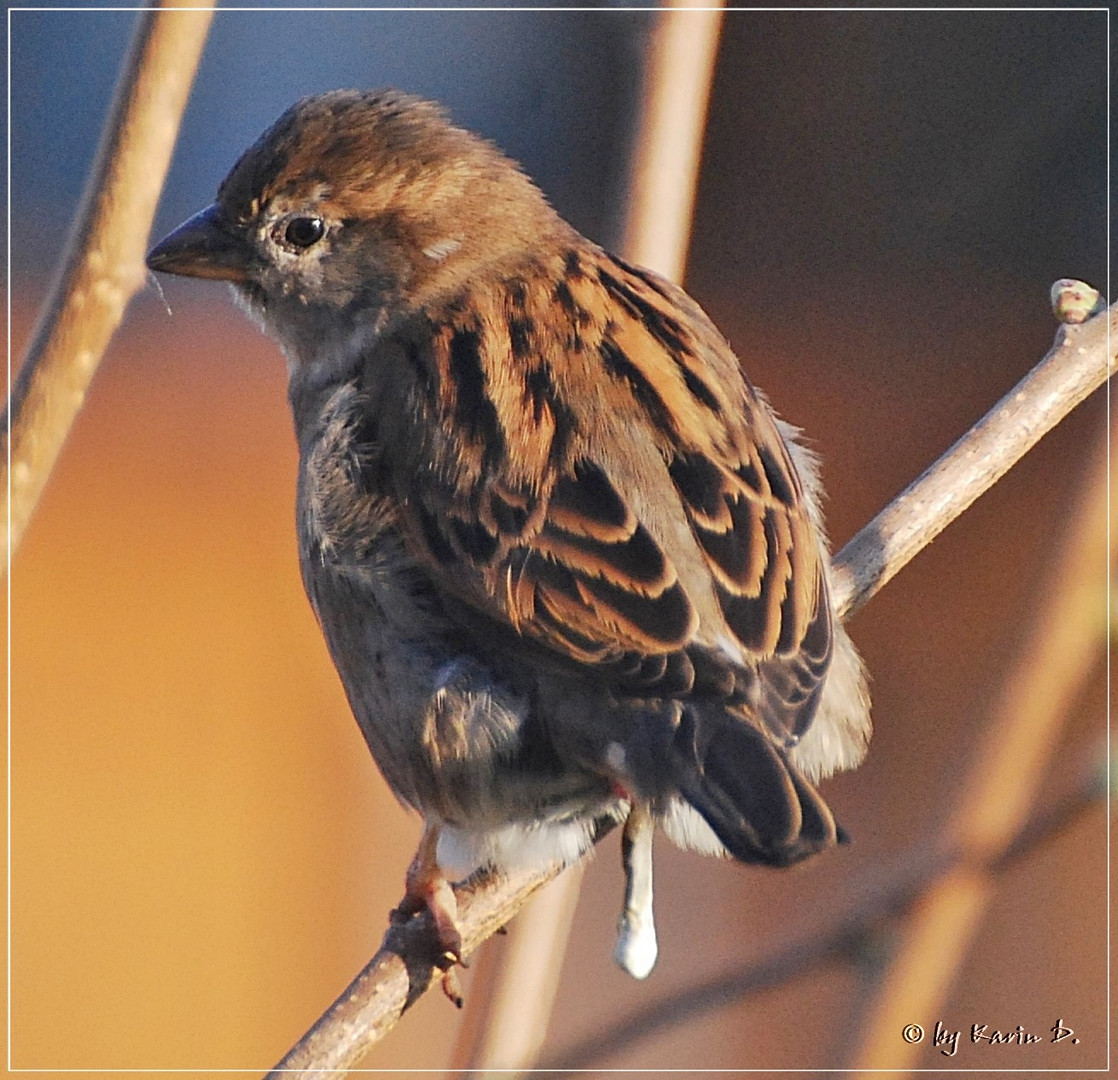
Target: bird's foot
point(427, 889)
point(435, 896)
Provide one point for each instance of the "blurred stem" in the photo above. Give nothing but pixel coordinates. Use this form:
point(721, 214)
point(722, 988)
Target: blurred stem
point(1066, 642)
point(511, 997)
point(104, 262)
point(664, 171)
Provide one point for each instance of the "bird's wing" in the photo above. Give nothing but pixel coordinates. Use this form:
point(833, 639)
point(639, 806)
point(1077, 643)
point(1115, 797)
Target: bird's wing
point(523, 510)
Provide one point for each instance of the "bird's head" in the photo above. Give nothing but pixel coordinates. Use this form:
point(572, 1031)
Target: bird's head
point(353, 209)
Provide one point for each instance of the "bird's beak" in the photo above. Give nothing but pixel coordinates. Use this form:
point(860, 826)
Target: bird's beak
point(205, 246)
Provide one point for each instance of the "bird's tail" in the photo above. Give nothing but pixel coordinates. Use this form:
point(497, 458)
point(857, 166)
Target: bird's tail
point(748, 791)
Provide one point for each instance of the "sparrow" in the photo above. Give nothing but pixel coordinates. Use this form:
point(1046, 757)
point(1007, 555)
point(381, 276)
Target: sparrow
point(570, 566)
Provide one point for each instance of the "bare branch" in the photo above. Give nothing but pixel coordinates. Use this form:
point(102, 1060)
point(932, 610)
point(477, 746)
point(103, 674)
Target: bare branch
point(1078, 363)
point(104, 263)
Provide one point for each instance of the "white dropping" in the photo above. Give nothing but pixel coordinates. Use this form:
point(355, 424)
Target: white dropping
point(636, 947)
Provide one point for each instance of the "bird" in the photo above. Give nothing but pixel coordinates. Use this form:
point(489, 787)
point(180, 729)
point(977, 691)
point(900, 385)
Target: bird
point(569, 564)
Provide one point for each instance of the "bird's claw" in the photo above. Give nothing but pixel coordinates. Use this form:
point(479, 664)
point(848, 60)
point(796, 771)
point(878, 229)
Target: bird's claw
point(452, 987)
point(428, 890)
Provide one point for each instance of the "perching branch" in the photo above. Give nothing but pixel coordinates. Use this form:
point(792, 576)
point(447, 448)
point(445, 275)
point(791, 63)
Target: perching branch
point(402, 970)
point(1080, 361)
point(104, 262)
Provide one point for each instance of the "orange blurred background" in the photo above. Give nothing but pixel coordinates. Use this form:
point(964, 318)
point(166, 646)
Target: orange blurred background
point(202, 852)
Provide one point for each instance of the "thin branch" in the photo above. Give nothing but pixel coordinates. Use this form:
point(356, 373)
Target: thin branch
point(1079, 362)
point(104, 262)
point(847, 939)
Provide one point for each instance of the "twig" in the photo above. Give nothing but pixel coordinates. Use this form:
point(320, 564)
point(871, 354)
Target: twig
point(1078, 363)
point(837, 943)
point(104, 262)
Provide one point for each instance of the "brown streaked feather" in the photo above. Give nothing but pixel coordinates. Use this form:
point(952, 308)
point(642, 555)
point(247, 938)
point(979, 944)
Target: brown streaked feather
point(585, 503)
point(528, 525)
point(635, 563)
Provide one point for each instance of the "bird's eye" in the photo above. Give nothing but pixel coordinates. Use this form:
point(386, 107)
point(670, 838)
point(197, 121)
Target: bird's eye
point(303, 232)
